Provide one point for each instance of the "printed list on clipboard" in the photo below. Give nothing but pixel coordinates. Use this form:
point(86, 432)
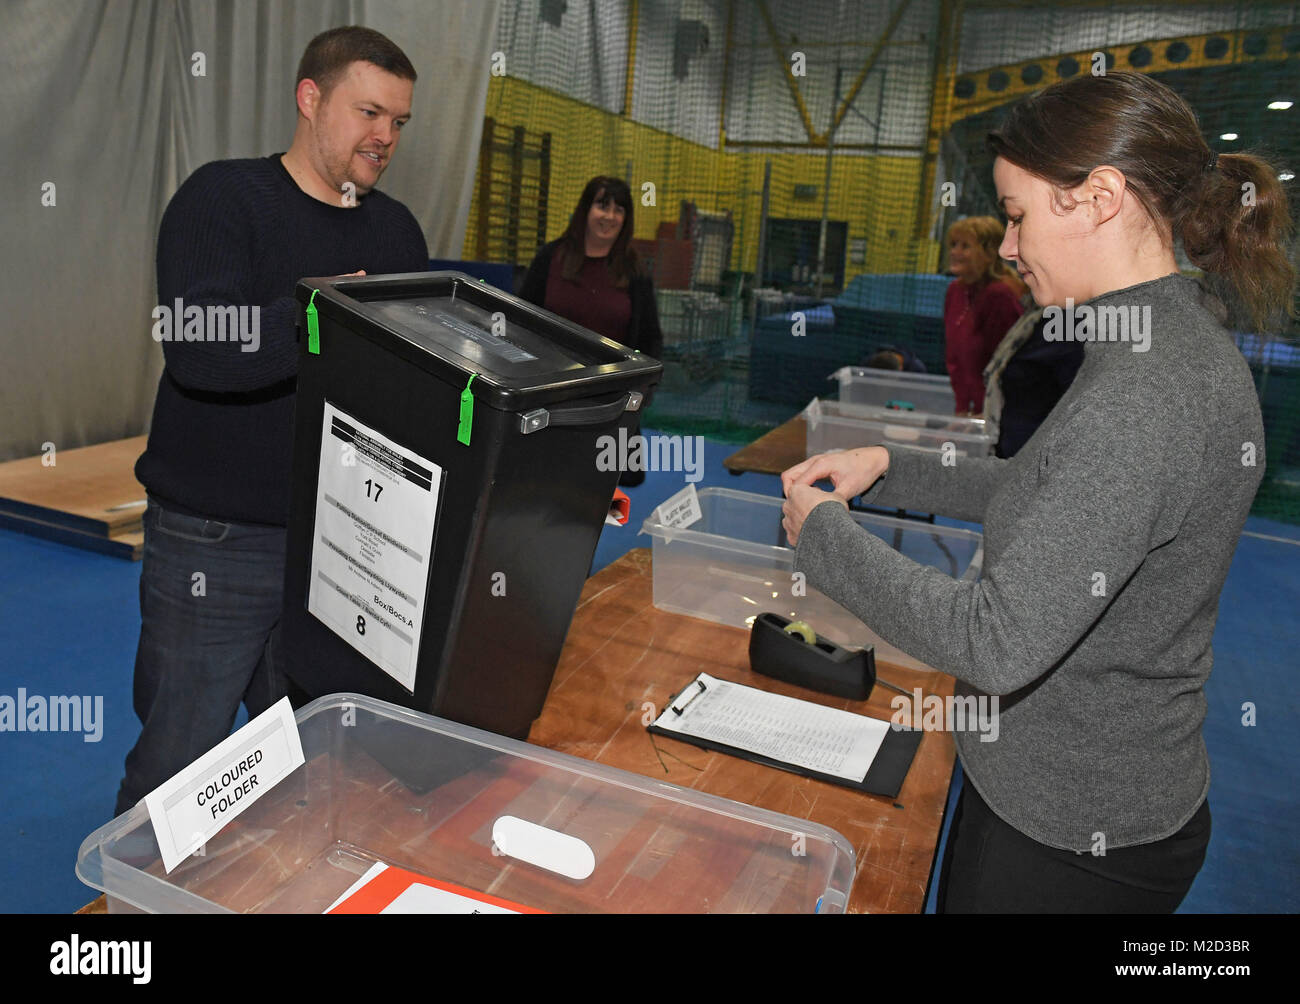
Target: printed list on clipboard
point(785, 732)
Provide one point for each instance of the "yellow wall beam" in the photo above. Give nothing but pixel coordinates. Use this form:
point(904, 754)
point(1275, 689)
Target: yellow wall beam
point(867, 67)
point(977, 95)
point(726, 75)
point(788, 73)
point(948, 29)
point(632, 22)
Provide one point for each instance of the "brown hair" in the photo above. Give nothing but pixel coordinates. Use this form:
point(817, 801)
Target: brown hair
point(621, 262)
point(1141, 127)
point(987, 232)
point(330, 53)
point(885, 359)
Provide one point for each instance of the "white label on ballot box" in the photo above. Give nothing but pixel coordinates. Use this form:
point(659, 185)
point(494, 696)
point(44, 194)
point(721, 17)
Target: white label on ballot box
point(681, 510)
point(376, 508)
point(196, 803)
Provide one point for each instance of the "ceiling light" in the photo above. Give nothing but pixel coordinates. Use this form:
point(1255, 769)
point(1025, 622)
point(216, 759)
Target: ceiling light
point(1229, 136)
point(1279, 106)
point(1285, 176)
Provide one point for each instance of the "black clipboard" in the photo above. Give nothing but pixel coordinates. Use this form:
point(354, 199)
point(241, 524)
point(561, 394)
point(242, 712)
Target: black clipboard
point(884, 776)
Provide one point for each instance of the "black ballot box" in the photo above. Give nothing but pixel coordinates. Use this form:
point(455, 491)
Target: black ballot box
point(448, 491)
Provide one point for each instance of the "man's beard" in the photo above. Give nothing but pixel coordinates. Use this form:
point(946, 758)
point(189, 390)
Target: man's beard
point(341, 173)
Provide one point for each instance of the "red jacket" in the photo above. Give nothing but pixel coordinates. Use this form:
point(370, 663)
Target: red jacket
point(974, 320)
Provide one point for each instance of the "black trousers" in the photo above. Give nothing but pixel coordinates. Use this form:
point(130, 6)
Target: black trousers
point(991, 867)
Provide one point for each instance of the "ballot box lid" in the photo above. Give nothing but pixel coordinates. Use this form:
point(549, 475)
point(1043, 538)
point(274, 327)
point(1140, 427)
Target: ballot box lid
point(453, 325)
point(490, 819)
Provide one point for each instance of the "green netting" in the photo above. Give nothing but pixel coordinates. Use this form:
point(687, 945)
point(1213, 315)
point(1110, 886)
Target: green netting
point(798, 164)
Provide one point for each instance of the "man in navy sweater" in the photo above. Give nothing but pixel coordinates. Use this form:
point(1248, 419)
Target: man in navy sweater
point(240, 233)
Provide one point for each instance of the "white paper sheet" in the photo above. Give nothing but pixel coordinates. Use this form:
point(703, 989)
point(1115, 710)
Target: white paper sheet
point(376, 509)
point(796, 732)
point(420, 897)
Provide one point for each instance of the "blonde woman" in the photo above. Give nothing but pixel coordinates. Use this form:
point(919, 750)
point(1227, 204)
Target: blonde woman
point(979, 307)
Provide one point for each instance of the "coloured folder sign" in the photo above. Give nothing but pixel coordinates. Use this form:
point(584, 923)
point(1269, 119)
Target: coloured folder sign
point(809, 739)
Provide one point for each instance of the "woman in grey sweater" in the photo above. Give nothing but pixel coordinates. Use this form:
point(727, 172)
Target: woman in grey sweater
point(1109, 535)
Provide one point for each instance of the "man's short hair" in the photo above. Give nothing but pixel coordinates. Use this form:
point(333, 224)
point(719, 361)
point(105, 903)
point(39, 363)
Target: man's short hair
point(330, 53)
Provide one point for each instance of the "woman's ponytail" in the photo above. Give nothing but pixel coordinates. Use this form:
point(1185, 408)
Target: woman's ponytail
point(1237, 227)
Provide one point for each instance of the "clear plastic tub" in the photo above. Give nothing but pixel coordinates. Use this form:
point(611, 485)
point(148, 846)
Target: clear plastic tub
point(931, 392)
point(735, 563)
point(835, 425)
point(383, 783)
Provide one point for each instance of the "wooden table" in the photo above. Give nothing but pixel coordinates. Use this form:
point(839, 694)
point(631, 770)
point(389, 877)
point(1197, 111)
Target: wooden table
point(772, 452)
point(782, 448)
point(86, 497)
point(622, 654)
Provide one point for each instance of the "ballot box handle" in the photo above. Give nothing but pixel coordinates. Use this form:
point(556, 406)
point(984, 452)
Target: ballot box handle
point(587, 414)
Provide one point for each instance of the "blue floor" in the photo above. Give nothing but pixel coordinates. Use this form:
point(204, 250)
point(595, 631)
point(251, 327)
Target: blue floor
point(69, 621)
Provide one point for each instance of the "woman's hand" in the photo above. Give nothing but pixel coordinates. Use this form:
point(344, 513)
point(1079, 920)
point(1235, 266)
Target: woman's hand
point(800, 501)
point(852, 472)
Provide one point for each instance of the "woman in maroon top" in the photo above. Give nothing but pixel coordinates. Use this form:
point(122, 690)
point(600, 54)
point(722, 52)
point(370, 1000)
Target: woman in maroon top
point(979, 307)
point(591, 277)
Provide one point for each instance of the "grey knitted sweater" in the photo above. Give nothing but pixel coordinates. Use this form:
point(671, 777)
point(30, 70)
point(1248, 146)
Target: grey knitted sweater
point(1107, 540)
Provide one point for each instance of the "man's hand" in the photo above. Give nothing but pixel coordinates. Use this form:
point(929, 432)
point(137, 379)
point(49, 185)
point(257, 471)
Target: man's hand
point(800, 501)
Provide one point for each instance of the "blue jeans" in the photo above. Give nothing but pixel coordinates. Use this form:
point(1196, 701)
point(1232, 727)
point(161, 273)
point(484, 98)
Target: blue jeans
point(210, 599)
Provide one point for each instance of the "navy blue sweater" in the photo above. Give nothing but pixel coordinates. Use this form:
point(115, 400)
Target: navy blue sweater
point(242, 233)
point(1034, 379)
